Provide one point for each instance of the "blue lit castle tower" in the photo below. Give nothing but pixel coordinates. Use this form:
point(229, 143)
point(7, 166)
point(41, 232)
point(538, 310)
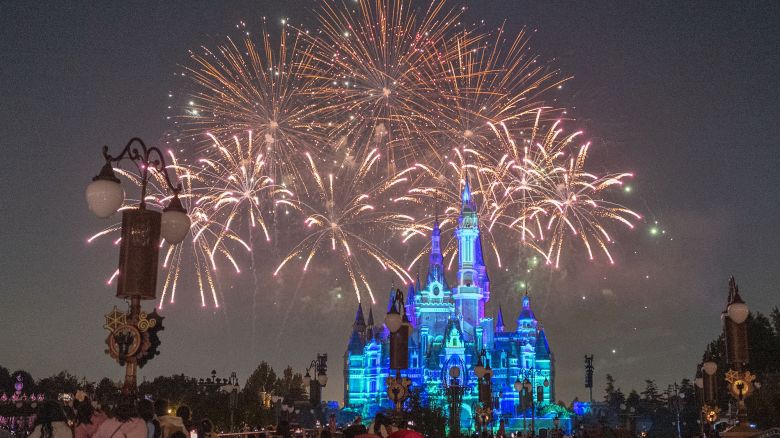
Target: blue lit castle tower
point(451, 329)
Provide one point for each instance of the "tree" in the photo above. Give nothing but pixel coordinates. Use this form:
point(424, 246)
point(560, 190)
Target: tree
point(176, 389)
point(27, 381)
point(775, 316)
point(633, 400)
point(290, 385)
point(430, 420)
point(609, 391)
point(60, 383)
point(651, 399)
point(107, 392)
point(262, 380)
point(6, 382)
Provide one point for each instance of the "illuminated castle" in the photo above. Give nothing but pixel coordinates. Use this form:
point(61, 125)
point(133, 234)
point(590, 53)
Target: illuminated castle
point(450, 329)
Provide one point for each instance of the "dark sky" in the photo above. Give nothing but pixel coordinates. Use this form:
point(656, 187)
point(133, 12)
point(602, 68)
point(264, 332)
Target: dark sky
point(685, 95)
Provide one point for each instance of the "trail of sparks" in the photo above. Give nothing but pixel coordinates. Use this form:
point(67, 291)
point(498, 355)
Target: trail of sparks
point(345, 216)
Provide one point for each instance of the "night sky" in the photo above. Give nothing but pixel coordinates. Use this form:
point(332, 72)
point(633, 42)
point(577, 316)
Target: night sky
point(685, 96)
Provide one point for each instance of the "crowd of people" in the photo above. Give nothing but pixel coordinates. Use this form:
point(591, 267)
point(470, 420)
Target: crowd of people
point(128, 419)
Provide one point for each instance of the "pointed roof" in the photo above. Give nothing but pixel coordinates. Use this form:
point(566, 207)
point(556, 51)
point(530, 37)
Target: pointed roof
point(356, 344)
point(466, 197)
point(500, 320)
point(526, 312)
point(370, 317)
point(410, 295)
point(391, 300)
point(360, 321)
point(436, 231)
point(542, 348)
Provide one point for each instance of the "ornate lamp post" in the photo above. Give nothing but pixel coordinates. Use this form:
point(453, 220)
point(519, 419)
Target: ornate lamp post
point(129, 342)
point(740, 380)
point(529, 386)
point(484, 374)
point(400, 328)
point(675, 398)
point(455, 391)
point(228, 385)
point(520, 400)
point(320, 368)
point(232, 389)
point(709, 385)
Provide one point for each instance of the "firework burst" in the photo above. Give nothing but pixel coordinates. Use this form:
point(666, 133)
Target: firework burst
point(486, 82)
point(238, 186)
point(552, 194)
point(208, 240)
point(380, 56)
point(442, 188)
point(260, 88)
point(346, 215)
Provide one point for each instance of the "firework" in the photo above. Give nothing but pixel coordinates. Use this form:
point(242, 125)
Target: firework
point(238, 186)
point(441, 189)
point(485, 82)
point(245, 87)
point(198, 253)
point(378, 84)
point(345, 215)
point(552, 194)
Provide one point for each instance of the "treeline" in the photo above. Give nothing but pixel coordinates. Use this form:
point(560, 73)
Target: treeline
point(658, 409)
point(205, 400)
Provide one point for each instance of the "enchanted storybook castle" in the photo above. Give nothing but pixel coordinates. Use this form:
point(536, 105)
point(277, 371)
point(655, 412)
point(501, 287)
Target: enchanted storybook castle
point(450, 329)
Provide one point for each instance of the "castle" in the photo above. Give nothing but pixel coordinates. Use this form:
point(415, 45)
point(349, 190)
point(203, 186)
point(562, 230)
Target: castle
point(450, 328)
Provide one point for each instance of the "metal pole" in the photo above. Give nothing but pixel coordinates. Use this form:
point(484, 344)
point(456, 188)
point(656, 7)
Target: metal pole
point(131, 367)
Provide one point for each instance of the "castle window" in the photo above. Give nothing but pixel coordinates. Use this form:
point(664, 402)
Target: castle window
point(372, 386)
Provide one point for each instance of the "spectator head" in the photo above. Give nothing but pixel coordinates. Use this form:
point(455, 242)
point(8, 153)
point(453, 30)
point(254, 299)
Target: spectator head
point(205, 426)
point(184, 412)
point(84, 411)
point(49, 411)
point(161, 407)
point(146, 410)
point(125, 410)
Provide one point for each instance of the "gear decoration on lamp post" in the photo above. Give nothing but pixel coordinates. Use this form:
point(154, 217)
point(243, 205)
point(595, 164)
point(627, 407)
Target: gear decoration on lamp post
point(740, 384)
point(711, 413)
point(130, 341)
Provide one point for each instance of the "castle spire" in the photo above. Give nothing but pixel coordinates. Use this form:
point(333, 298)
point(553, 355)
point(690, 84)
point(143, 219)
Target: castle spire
point(360, 321)
point(466, 197)
point(500, 320)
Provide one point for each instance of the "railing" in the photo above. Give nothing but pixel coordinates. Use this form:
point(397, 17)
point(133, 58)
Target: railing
point(773, 432)
point(272, 434)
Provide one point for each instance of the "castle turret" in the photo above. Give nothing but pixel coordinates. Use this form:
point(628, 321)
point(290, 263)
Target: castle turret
point(526, 330)
point(411, 312)
point(469, 296)
point(359, 326)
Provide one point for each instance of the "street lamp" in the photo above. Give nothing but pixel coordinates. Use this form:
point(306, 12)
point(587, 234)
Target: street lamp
point(227, 385)
point(320, 367)
point(709, 390)
point(740, 380)
point(675, 398)
point(398, 324)
point(527, 387)
point(139, 249)
point(455, 391)
point(484, 374)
